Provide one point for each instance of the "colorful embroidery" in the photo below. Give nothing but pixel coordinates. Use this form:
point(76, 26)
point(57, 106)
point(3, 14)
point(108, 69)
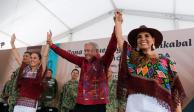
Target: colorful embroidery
point(27, 73)
point(153, 68)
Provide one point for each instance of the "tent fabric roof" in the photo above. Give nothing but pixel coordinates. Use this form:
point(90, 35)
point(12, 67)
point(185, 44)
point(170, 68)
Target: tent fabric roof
point(74, 20)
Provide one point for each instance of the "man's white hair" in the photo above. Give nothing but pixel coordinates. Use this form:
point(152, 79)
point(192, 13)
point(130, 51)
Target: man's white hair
point(94, 45)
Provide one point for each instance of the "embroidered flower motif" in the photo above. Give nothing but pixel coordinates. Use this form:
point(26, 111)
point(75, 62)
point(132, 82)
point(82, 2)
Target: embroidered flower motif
point(145, 70)
point(172, 67)
point(150, 72)
point(131, 70)
point(164, 63)
point(161, 68)
point(161, 74)
point(139, 70)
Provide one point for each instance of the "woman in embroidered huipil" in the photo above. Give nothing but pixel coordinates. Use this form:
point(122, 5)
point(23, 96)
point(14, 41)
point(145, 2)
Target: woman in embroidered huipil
point(147, 81)
point(29, 82)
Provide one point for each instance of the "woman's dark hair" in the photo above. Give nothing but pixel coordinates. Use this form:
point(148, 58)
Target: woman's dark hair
point(28, 52)
point(38, 54)
point(75, 70)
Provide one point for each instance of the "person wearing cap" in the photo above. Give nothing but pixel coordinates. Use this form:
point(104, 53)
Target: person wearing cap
point(147, 81)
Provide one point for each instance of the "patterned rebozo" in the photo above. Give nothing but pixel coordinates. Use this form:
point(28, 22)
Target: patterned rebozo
point(154, 77)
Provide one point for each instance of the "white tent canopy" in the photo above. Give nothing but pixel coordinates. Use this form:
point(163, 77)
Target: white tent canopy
point(74, 20)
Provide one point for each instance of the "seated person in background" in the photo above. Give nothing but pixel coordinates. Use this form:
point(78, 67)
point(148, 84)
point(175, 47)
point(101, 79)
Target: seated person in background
point(69, 93)
point(49, 94)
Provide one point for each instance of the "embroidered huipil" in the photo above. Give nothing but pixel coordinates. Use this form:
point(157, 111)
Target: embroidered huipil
point(92, 87)
point(154, 77)
point(30, 83)
point(29, 86)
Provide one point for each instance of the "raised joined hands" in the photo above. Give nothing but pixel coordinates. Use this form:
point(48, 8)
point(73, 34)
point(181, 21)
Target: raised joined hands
point(49, 38)
point(13, 37)
point(118, 17)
